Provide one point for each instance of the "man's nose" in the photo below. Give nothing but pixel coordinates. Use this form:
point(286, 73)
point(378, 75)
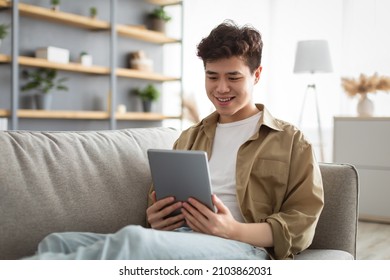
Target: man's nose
point(222, 86)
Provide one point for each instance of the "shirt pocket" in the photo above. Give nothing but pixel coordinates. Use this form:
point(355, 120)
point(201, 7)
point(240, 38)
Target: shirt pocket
point(268, 182)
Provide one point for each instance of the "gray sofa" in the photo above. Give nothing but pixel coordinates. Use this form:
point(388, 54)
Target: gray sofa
point(98, 181)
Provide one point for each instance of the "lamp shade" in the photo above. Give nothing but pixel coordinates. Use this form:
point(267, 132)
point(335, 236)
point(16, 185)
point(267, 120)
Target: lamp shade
point(312, 56)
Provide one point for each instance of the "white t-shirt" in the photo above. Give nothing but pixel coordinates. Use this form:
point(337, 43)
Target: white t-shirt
point(228, 139)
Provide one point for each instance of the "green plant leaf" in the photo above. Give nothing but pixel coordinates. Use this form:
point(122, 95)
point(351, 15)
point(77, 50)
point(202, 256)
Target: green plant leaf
point(160, 13)
point(149, 93)
point(43, 80)
point(3, 30)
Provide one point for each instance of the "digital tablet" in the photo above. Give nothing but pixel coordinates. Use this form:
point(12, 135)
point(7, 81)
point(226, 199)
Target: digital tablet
point(181, 174)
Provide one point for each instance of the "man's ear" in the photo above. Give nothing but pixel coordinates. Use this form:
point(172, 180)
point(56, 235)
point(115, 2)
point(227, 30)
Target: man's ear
point(258, 73)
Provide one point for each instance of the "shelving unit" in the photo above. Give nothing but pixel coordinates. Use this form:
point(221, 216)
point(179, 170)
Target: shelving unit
point(84, 22)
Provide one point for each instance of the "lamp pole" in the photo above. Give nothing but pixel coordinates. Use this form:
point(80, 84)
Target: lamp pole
point(312, 87)
point(313, 56)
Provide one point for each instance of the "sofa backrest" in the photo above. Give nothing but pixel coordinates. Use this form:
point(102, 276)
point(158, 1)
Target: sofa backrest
point(93, 181)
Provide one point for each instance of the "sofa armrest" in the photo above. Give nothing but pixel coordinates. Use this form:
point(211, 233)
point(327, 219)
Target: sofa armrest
point(337, 226)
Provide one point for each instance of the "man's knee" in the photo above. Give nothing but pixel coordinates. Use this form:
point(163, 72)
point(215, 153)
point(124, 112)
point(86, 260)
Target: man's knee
point(54, 242)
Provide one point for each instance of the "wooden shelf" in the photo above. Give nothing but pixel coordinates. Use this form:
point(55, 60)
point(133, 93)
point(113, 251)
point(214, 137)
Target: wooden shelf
point(5, 4)
point(144, 34)
point(5, 58)
point(140, 116)
point(59, 17)
point(48, 114)
point(165, 2)
point(86, 115)
point(73, 67)
point(99, 70)
point(137, 74)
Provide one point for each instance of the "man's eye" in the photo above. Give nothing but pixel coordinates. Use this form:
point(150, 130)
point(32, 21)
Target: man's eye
point(234, 78)
point(211, 77)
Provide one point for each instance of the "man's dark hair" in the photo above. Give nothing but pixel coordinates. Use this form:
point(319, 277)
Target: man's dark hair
point(228, 40)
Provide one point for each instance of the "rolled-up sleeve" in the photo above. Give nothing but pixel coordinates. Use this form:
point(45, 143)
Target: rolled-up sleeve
point(294, 225)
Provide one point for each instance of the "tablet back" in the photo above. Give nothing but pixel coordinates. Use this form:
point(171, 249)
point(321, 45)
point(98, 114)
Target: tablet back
point(182, 174)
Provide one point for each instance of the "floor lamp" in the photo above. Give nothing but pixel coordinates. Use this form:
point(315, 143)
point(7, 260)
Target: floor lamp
point(312, 57)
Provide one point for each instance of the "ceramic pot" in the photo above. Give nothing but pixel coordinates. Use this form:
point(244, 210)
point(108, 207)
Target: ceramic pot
point(43, 101)
point(365, 106)
point(157, 25)
point(86, 60)
point(27, 101)
point(147, 106)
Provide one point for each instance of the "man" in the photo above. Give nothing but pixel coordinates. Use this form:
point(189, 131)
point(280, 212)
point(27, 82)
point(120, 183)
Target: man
point(266, 182)
point(261, 167)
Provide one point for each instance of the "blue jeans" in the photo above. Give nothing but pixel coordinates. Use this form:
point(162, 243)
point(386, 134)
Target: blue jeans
point(136, 242)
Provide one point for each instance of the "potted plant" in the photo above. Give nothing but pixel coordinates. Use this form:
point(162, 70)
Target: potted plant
point(158, 19)
point(55, 5)
point(3, 32)
point(93, 12)
point(148, 95)
point(85, 59)
point(363, 86)
point(43, 81)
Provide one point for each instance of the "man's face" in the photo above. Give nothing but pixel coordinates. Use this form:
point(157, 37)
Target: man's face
point(229, 86)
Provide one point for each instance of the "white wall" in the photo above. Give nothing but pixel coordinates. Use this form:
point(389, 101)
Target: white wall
point(357, 32)
point(292, 21)
point(366, 47)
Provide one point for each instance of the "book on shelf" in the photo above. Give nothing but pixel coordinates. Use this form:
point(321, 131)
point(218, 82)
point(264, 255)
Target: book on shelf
point(3, 124)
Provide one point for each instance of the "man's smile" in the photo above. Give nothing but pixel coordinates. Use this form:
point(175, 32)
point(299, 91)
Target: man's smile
point(224, 99)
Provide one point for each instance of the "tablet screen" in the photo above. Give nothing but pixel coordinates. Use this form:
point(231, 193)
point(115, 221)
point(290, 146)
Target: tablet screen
point(182, 174)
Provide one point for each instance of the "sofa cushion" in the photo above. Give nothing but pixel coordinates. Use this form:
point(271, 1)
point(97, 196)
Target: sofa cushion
point(93, 181)
point(323, 254)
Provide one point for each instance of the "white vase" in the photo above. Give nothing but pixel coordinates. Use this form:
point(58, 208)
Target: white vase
point(85, 60)
point(365, 106)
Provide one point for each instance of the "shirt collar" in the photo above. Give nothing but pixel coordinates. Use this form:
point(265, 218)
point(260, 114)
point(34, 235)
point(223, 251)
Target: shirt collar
point(267, 119)
point(210, 122)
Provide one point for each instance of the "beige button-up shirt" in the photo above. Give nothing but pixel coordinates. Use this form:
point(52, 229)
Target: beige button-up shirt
point(278, 179)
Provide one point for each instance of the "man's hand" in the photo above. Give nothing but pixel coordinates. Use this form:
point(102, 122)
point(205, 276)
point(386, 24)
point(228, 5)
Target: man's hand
point(201, 219)
point(222, 224)
point(157, 212)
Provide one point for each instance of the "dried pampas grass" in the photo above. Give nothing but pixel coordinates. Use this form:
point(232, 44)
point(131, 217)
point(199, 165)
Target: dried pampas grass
point(365, 84)
point(191, 111)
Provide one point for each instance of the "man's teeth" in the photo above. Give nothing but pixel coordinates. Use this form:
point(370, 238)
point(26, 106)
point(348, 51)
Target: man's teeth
point(224, 99)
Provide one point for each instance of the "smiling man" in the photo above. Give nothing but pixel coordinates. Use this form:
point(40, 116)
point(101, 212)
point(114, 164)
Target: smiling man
point(266, 181)
point(267, 187)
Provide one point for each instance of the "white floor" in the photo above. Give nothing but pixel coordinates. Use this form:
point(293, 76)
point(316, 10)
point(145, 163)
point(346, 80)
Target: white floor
point(373, 241)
